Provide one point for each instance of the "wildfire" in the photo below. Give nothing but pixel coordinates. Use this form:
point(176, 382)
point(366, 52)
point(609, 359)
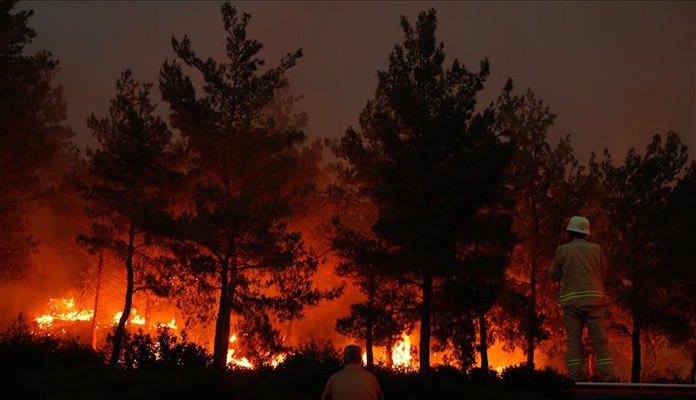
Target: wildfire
point(171, 324)
point(63, 310)
point(134, 317)
point(139, 320)
point(401, 354)
point(242, 362)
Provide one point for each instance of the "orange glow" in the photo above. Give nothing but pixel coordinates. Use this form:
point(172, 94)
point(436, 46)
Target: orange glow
point(233, 361)
point(62, 310)
point(499, 359)
point(134, 317)
point(171, 324)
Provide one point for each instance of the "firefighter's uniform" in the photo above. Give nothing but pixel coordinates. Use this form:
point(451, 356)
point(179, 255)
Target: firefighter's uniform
point(579, 267)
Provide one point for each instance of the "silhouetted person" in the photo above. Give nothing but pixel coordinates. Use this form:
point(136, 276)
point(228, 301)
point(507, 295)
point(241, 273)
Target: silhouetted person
point(352, 382)
point(580, 267)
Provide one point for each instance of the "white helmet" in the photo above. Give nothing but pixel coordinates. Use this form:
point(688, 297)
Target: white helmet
point(579, 224)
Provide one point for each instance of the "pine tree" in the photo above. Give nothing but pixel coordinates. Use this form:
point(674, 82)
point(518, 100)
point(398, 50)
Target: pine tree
point(130, 174)
point(428, 160)
point(233, 234)
point(636, 196)
point(31, 112)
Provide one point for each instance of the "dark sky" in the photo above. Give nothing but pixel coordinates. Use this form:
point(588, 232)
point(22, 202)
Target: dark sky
point(615, 73)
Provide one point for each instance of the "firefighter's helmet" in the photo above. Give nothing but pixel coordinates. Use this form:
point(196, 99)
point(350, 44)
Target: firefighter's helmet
point(579, 224)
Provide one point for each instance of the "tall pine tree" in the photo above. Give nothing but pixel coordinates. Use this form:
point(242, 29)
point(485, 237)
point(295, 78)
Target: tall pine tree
point(233, 234)
point(31, 112)
point(636, 196)
point(130, 174)
point(428, 160)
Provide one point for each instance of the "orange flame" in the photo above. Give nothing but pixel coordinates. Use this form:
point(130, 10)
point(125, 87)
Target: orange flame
point(233, 361)
point(134, 317)
point(401, 354)
point(63, 310)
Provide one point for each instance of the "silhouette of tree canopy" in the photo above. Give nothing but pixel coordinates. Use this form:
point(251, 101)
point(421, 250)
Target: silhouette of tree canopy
point(427, 159)
point(636, 195)
point(233, 234)
point(386, 312)
point(31, 112)
point(677, 252)
point(130, 175)
point(539, 177)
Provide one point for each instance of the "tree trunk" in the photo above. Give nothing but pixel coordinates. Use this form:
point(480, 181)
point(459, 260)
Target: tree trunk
point(95, 316)
point(222, 324)
point(425, 324)
point(388, 349)
point(369, 321)
point(121, 328)
point(635, 347)
point(531, 318)
point(483, 350)
point(368, 348)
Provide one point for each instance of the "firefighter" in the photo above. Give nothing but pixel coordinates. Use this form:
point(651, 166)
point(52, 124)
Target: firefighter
point(579, 267)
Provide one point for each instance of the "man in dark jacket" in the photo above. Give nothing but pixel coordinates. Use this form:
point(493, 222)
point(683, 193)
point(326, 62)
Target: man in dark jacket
point(579, 267)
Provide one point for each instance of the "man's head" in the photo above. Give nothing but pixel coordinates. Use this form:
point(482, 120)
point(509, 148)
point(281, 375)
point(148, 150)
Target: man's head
point(578, 227)
point(352, 354)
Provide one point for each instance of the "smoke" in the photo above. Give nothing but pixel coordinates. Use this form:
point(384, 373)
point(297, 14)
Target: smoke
point(57, 266)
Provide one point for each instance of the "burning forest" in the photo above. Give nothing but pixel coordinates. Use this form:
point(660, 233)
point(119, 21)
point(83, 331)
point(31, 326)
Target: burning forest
point(209, 231)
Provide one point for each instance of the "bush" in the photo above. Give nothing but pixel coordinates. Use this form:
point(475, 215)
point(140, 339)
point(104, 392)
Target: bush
point(165, 350)
point(22, 352)
point(305, 370)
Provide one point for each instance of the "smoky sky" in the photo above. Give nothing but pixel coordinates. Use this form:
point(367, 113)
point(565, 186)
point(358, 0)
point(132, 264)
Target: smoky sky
point(615, 73)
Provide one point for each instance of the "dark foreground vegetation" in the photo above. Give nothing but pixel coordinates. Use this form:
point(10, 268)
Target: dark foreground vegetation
point(441, 211)
point(47, 368)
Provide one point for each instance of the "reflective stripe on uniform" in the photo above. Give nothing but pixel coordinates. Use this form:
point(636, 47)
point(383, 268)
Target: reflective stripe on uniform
point(604, 361)
point(575, 361)
point(575, 295)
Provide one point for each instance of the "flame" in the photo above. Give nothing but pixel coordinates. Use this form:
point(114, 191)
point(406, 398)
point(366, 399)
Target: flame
point(66, 310)
point(277, 360)
point(171, 324)
point(134, 317)
point(63, 310)
point(401, 354)
point(242, 362)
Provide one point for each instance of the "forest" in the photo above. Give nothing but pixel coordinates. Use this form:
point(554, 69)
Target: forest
point(211, 235)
